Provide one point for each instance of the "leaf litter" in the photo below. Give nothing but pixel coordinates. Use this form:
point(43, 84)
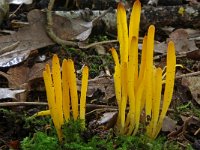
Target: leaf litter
point(33, 37)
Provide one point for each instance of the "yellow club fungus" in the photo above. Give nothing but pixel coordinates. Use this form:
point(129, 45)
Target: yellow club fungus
point(65, 92)
point(156, 99)
point(122, 32)
point(50, 90)
point(61, 92)
point(42, 113)
point(73, 89)
point(83, 94)
point(149, 72)
point(57, 87)
point(124, 95)
point(134, 26)
point(131, 86)
point(141, 88)
point(169, 85)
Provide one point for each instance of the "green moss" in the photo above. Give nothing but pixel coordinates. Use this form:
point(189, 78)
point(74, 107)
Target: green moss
point(40, 141)
point(189, 108)
point(141, 142)
point(75, 138)
point(98, 38)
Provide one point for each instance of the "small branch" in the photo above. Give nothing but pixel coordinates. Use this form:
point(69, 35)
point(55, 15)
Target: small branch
point(96, 43)
point(8, 104)
point(50, 31)
point(101, 109)
point(188, 75)
point(9, 48)
point(102, 15)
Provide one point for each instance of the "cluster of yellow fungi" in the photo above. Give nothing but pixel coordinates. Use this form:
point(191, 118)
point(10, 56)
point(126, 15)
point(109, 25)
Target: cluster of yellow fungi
point(139, 86)
point(61, 89)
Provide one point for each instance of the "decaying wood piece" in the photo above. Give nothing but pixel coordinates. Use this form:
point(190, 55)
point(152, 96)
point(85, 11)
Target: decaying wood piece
point(176, 16)
point(183, 16)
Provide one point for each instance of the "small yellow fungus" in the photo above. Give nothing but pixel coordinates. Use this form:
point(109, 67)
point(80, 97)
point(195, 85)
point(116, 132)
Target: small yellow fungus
point(83, 94)
point(141, 88)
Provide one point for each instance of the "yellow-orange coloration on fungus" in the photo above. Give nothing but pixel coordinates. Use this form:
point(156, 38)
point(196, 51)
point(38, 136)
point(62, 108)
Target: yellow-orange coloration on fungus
point(83, 93)
point(62, 91)
point(73, 89)
point(65, 86)
point(141, 88)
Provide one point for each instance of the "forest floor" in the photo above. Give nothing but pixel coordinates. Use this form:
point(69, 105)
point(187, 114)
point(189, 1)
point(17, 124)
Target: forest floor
point(25, 49)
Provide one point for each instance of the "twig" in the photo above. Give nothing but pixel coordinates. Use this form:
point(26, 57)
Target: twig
point(186, 122)
point(8, 104)
point(49, 27)
point(188, 75)
point(96, 43)
point(91, 106)
point(9, 48)
point(13, 13)
point(197, 132)
point(103, 14)
point(101, 109)
point(50, 31)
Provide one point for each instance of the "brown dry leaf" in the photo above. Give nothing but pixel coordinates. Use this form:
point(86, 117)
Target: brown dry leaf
point(195, 55)
point(22, 76)
point(191, 120)
point(160, 47)
point(104, 84)
point(34, 36)
point(194, 85)
point(30, 37)
point(36, 71)
point(107, 117)
point(169, 124)
point(72, 28)
point(181, 39)
point(19, 75)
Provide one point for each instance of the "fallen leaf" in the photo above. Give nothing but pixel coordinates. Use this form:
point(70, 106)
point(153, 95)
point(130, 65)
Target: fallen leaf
point(169, 124)
point(37, 70)
point(72, 28)
point(107, 117)
point(19, 75)
point(13, 58)
point(160, 47)
point(34, 36)
point(181, 40)
point(24, 77)
point(104, 84)
point(194, 85)
point(195, 55)
point(29, 38)
point(9, 93)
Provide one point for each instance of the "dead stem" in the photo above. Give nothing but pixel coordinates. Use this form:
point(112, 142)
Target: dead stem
point(50, 31)
point(188, 75)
